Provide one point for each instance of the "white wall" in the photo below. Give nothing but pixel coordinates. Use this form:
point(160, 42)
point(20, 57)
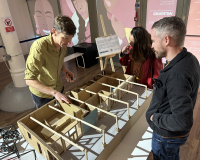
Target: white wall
point(22, 23)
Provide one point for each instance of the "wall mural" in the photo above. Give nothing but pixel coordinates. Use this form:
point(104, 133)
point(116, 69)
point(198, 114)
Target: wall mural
point(192, 42)
point(77, 10)
point(42, 13)
point(118, 16)
point(158, 9)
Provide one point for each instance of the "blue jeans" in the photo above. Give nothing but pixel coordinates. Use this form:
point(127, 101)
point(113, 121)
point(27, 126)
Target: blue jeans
point(166, 148)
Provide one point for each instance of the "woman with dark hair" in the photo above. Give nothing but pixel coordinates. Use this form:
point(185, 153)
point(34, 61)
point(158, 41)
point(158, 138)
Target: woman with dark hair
point(140, 58)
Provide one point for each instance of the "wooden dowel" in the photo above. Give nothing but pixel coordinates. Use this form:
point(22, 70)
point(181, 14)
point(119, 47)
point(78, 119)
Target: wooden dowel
point(124, 69)
point(117, 126)
point(97, 109)
point(104, 142)
point(121, 90)
point(110, 55)
point(138, 84)
point(75, 118)
point(101, 64)
point(58, 134)
point(102, 95)
point(103, 26)
point(106, 62)
point(63, 144)
point(86, 156)
point(112, 65)
point(128, 115)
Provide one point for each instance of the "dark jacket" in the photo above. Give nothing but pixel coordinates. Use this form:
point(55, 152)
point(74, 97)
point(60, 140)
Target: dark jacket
point(174, 96)
point(149, 71)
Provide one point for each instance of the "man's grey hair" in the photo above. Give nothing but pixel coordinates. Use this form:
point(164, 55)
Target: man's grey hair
point(171, 26)
point(64, 24)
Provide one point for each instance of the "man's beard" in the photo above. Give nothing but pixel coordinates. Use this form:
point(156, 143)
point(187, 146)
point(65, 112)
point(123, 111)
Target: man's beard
point(160, 54)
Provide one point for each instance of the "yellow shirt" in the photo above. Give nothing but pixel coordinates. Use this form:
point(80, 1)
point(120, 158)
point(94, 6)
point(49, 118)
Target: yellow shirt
point(44, 63)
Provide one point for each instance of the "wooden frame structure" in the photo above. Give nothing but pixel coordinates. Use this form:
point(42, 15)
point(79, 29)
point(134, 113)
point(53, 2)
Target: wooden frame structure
point(56, 127)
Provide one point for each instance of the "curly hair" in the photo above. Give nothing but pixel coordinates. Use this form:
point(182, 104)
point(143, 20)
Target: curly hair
point(64, 24)
point(141, 48)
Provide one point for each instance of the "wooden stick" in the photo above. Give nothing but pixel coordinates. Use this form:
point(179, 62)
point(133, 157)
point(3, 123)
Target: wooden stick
point(63, 144)
point(86, 155)
point(121, 90)
point(101, 64)
point(106, 62)
point(102, 95)
point(97, 109)
point(58, 134)
point(112, 65)
point(117, 126)
point(100, 130)
point(103, 26)
point(110, 55)
point(124, 69)
point(104, 143)
point(138, 84)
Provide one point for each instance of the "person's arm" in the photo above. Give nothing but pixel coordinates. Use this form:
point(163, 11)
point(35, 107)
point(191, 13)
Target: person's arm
point(123, 58)
point(34, 63)
point(68, 73)
point(179, 94)
point(47, 90)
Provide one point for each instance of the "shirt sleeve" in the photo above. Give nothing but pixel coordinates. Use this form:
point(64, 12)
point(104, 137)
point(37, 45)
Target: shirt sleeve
point(34, 64)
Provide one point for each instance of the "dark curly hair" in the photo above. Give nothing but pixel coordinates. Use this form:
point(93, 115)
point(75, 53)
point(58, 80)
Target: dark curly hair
point(142, 45)
point(64, 24)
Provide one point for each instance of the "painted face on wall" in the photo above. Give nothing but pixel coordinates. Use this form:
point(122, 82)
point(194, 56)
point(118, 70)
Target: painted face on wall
point(44, 17)
point(109, 4)
point(81, 7)
point(122, 10)
point(121, 13)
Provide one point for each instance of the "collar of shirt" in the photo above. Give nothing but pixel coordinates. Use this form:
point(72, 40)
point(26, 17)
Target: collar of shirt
point(52, 46)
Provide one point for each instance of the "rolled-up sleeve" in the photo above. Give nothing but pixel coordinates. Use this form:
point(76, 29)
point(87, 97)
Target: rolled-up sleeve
point(34, 64)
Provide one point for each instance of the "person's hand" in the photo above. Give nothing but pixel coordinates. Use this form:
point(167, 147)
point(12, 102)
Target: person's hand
point(69, 76)
point(130, 56)
point(125, 48)
point(151, 118)
point(61, 98)
point(118, 27)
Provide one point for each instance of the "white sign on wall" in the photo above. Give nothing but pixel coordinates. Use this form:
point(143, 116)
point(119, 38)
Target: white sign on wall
point(107, 45)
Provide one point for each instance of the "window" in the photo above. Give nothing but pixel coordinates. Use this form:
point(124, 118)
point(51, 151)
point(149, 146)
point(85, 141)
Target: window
point(29, 135)
point(40, 150)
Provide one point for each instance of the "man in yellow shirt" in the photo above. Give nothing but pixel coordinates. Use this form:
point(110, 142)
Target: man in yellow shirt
point(46, 60)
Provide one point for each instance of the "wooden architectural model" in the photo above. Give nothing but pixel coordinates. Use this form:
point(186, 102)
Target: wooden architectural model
point(100, 114)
